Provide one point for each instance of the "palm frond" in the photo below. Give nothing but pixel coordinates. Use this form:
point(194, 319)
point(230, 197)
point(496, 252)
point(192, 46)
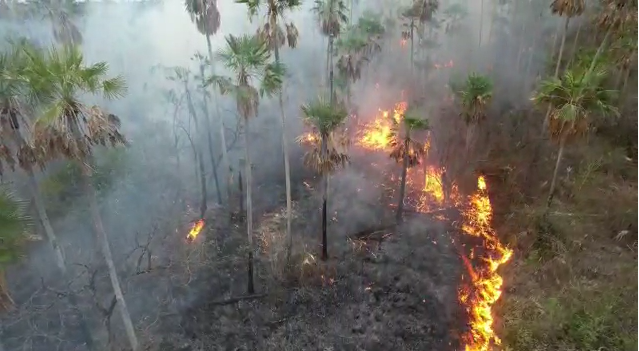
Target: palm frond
point(336, 155)
point(573, 98)
point(205, 15)
point(323, 117)
point(331, 15)
point(13, 224)
point(475, 95)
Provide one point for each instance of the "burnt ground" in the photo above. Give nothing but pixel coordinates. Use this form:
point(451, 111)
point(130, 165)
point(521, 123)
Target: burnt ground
point(400, 295)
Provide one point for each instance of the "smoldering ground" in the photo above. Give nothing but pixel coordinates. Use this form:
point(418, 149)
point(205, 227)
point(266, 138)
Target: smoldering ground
point(403, 296)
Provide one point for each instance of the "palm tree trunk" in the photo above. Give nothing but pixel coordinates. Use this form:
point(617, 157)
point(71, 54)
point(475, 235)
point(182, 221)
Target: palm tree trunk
point(287, 165)
point(331, 74)
point(205, 106)
point(412, 59)
point(557, 66)
point(225, 157)
point(106, 252)
point(249, 205)
point(481, 22)
point(574, 44)
point(561, 47)
point(553, 183)
point(324, 201)
point(402, 187)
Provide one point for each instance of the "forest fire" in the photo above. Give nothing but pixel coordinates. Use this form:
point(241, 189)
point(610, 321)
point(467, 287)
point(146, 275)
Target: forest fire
point(486, 282)
point(378, 134)
point(484, 289)
point(195, 230)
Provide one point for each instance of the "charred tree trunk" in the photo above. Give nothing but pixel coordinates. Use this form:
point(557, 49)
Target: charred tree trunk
point(553, 183)
point(402, 186)
point(331, 74)
point(324, 201)
point(249, 206)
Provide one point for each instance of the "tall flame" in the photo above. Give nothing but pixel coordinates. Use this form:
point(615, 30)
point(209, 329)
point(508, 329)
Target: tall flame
point(485, 280)
point(486, 283)
point(195, 230)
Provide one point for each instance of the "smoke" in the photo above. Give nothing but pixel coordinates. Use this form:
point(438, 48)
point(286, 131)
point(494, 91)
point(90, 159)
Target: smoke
point(140, 39)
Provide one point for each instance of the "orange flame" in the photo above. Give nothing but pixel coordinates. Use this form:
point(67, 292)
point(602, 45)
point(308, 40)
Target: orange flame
point(377, 135)
point(486, 281)
point(195, 230)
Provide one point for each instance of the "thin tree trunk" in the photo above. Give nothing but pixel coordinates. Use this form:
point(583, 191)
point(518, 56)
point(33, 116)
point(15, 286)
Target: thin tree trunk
point(481, 22)
point(249, 206)
point(553, 183)
point(561, 47)
point(287, 165)
point(574, 45)
point(402, 187)
point(412, 59)
point(106, 252)
point(210, 140)
point(331, 74)
point(557, 66)
point(225, 157)
point(325, 201)
point(199, 154)
point(240, 186)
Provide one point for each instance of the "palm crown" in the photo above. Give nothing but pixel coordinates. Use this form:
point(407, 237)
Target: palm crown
point(205, 15)
point(573, 98)
point(406, 145)
point(475, 95)
point(249, 58)
point(331, 15)
point(325, 121)
point(275, 14)
point(66, 127)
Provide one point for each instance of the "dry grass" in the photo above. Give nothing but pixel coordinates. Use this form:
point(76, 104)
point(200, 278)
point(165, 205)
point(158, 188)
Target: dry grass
point(573, 284)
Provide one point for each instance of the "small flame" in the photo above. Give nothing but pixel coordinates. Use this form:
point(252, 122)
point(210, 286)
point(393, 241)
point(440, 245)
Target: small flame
point(195, 230)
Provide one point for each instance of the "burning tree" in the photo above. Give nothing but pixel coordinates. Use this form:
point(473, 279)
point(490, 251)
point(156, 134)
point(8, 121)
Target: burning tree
point(249, 58)
point(328, 151)
point(406, 149)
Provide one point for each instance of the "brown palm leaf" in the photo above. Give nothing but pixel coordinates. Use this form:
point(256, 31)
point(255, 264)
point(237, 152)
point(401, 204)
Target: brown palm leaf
point(292, 35)
point(416, 151)
point(274, 37)
point(337, 156)
point(568, 8)
point(567, 129)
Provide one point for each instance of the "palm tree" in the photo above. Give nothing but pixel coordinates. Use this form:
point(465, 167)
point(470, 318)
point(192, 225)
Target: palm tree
point(573, 99)
point(331, 15)
point(329, 149)
point(276, 37)
point(420, 12)
point(407, 150)
point(248, 57)
point(68, 128)
point(13, 223)
point(206, 16)
point(353, 49)
point(475, 95)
